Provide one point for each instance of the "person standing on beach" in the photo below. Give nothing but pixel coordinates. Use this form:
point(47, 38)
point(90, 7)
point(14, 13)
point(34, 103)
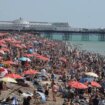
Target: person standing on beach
point(95, 100)
point(47, 90)
point(1, 86)
point(54, 91)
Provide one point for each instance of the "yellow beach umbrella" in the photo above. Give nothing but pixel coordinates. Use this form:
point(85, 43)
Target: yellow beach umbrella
point(8, 79)
point(91, 74)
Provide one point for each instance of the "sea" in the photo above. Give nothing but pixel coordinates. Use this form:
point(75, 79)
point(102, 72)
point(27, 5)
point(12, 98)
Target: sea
point(93, 45)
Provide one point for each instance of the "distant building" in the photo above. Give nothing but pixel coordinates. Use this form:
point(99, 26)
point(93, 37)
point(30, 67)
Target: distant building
point(21, 24)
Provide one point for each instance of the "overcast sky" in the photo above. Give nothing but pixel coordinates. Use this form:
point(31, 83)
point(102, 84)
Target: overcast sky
point(79, 13)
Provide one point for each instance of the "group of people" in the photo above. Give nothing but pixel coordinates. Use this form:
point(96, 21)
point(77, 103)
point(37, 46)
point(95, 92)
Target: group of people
point(57, 63)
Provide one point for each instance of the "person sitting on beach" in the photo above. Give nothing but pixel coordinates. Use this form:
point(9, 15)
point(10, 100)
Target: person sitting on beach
point(26, 100)
point(20, 92)
point(89, 89)
point(102, 100)
point(64, 78)
point(53, 77)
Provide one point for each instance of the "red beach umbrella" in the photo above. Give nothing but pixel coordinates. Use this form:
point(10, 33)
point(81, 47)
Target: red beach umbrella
point(2, 52)
point(2, 41)
point(30, 72)
point(63, 59)
point(78, 85)
point(1, 58)
point(8, 62)
point(2, 69)
point(72, 82)
point(5, 49)
point(95, 84)
point(15, 76)
point(17, 45)
point(36, 54)
point(28, 55)
point(43, 58)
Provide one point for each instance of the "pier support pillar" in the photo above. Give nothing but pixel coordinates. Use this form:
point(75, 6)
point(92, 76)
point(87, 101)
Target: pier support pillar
point(67, 37)
point(101, 37)
point(49, 35)
point(85, 37)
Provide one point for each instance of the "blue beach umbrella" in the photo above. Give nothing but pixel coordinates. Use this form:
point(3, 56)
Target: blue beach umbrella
point(24, 59)
point(86, 79)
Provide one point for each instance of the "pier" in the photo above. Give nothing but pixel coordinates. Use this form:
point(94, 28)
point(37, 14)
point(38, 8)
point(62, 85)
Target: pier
point(50, 29)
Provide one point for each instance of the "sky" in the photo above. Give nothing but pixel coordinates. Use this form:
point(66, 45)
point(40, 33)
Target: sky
point(78, 13)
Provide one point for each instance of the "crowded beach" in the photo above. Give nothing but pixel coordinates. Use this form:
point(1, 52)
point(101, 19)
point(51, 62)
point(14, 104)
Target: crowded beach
point(38, 71)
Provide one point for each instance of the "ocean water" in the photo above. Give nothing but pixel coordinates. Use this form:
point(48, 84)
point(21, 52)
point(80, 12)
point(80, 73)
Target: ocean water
point(93, 45)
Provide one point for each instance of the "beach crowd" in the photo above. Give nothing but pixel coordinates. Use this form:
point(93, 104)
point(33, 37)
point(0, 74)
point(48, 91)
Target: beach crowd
point(38, 71)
